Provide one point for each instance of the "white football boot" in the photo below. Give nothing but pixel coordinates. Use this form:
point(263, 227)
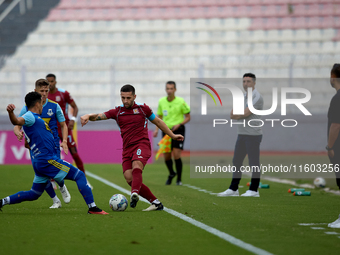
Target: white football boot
point(228, 193)
point(335, 224)
point(251, 193)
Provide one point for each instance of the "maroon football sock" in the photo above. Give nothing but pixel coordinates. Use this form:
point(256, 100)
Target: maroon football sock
point(146, 193)
point(137, 180)
point(78, 161)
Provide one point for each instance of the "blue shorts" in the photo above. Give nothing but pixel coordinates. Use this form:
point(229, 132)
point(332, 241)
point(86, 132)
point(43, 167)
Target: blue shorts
point(56, 169)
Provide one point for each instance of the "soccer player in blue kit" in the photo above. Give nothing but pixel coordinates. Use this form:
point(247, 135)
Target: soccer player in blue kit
point(51, 114)
point(46, 163)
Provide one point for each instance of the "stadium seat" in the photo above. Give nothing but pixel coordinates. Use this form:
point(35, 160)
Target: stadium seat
point(299, 23)
point(313, 10)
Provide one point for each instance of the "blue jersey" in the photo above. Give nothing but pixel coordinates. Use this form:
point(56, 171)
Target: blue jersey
point(51, 114)
point(39, 137)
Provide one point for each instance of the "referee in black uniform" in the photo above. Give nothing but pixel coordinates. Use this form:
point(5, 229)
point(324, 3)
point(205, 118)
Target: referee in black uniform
point(333, 146)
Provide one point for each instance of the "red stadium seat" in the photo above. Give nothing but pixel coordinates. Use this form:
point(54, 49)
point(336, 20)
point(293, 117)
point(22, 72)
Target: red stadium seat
point(54, 15)
point(178, 3)
point(101, 4)
point(255, 12)
point(299, 23)
point(168, 13)
point(286, 23)
point(113, 14)
point(271, 23)
point(313, 22)
point(326, 10)
point(84, 14)
point(140, 14)
point(99, 14)
point(270, 11)
point(182, 13)
point(212, 12)
point(327, 22)
point(66, 4)
point(312, 10)
point(282, 10)
point(127, 13)
point(299, 10)
point(241, 11)
point(257, 24)
point(81, 4)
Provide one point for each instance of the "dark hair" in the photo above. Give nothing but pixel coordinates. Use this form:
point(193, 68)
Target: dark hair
point(31, 99)
point(51, 75)
point(41, 83)
point(336, 70)
point(251, 75)
point(171, 83)
point(128, 88)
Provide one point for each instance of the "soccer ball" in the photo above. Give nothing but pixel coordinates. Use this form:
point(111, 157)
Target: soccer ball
point(118, 202)
point(320, 182)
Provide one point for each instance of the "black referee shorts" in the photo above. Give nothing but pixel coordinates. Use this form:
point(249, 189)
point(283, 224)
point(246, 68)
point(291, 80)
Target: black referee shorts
point(177, 144)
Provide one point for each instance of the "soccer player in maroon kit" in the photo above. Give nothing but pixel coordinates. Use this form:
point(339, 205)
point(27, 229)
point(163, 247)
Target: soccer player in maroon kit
point(64, 99)
point(132, 119)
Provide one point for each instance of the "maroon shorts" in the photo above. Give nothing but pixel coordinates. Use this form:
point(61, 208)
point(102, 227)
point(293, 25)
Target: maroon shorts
point(141, 152)
point(71, 143)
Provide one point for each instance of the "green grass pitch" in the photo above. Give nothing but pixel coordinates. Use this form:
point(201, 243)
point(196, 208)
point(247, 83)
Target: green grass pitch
point(269, 222)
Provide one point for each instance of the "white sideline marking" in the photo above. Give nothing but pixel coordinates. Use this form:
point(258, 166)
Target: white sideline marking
point(331, 233)
point(196, 223)
point(311, 224)
point(317, 228)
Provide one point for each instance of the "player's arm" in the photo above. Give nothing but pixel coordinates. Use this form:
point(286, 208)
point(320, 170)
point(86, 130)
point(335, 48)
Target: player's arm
point(246, 114)
point(92, 117)
point(64, 133)
point(185, 121)
point(155, 133)
point(18, 133)
point(19, 121)
point(162, 126)
point(334, 131)
point(74, 117)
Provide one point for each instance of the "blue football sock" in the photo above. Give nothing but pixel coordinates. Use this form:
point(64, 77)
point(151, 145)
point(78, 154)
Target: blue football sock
point(49, 189)
point(79, 177)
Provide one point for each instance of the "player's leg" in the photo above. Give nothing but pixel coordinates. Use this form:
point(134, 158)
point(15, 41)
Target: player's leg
point(253, 151)
point(71, 144)
point(169, 164)
point(69, 172)
point(240, 153)
point(178, 162)
point(30, 195)
point(50, 191)
point(177, 148)
point(336, 165)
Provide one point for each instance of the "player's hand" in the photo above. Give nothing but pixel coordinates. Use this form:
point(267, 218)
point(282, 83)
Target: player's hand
point(71, 125)
point(10, 108)
point(155, 133)
point(64, 146)
point(174, 128)
point(84, 119)
point(331, 153)
point(178, 137)
point(19, 135)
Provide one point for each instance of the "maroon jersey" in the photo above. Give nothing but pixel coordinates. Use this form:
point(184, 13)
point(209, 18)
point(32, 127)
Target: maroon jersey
point(132, 122)
point(63, 98)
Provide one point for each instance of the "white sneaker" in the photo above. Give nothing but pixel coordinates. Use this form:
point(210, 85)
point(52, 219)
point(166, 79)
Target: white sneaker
point(251, 193)
point(66, 195)
point(56, 205)
point(88, 184)
point(335, 224)
point(54, 185)
point(228, 193)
